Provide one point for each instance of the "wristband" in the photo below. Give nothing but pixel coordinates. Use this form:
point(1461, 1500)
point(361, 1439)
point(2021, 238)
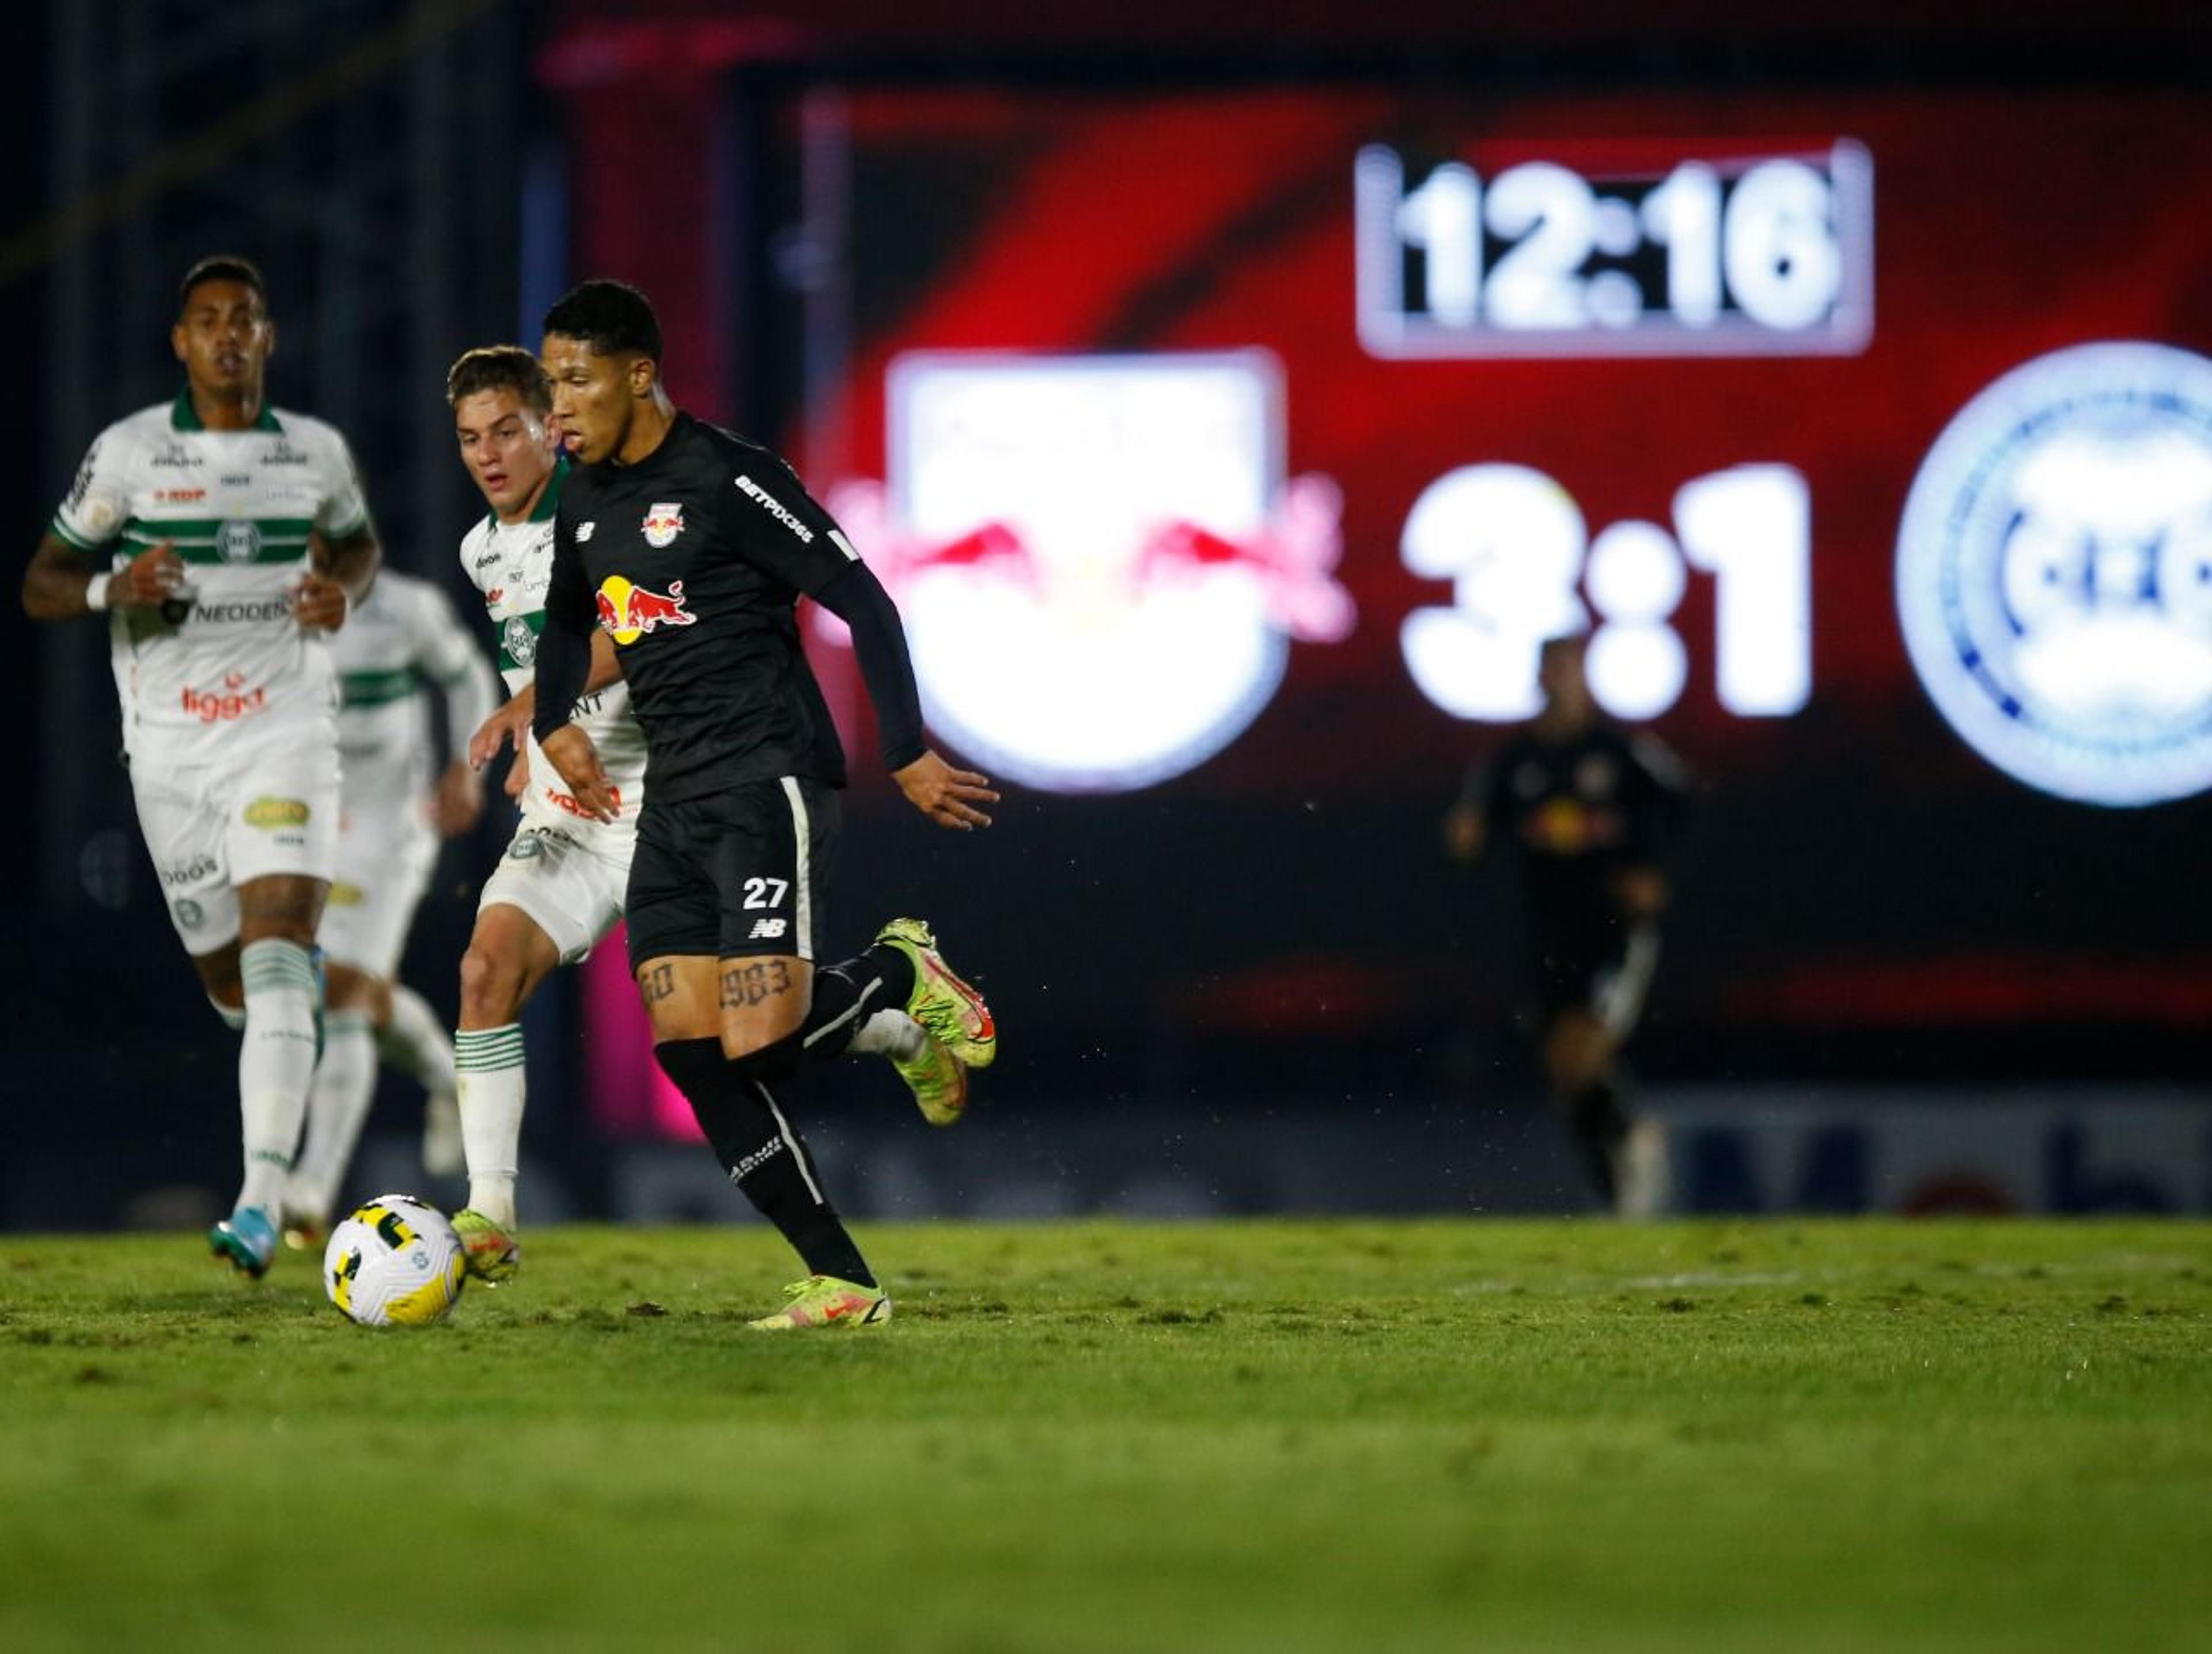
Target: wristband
point(95, 591)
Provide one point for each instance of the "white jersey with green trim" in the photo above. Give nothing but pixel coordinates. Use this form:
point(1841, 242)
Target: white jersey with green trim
point(512, 564)
point(404, 634)
point(224, 661)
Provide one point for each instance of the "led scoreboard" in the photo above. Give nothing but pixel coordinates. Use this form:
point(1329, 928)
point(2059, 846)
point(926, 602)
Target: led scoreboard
point(1711, 253)
point(1230, 450)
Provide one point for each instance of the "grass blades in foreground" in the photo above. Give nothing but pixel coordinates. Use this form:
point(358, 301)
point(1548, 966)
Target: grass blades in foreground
point(1116, 1438)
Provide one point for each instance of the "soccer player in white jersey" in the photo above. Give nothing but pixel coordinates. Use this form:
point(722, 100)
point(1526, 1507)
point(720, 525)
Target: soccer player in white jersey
point(222, 539)
point(392, 819)
point(559, 887)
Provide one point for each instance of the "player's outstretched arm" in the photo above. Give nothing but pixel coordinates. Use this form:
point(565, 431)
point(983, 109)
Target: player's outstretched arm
point(506, 723)
point(57, 585)
point(949, 797)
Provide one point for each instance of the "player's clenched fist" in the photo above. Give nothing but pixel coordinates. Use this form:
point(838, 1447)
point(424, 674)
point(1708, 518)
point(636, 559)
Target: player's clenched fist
point(320, 604)
point(147, 580)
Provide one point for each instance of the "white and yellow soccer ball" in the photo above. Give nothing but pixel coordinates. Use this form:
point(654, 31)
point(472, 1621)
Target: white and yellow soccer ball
point(395, 1262)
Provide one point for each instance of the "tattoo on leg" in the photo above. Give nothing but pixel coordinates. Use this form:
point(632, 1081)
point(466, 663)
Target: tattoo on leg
point(749, 984)
point(657, 983)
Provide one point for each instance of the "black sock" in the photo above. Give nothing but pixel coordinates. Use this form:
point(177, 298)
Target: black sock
point(847, 995)
point(1600, 1123)
point(763, 1154)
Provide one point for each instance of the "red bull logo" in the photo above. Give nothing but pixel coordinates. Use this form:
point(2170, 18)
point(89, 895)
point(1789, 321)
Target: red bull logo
point(664, 522)
point(1052, 519)
point(628, 612)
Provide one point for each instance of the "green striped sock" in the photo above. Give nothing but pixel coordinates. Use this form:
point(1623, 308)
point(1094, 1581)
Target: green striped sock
point(489, 1077)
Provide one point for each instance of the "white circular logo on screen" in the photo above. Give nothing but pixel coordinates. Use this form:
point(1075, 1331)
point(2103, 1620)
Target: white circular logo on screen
point(2054, 574)
point(1100, 561)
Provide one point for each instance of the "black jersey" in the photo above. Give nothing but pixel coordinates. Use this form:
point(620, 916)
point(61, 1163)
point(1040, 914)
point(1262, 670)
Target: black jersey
point(1577, 811)
point(693, 560)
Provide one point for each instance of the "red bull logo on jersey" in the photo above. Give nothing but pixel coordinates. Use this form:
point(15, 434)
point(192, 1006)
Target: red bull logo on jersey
point(663, 523)
point(628, 612)
point(1100, 562)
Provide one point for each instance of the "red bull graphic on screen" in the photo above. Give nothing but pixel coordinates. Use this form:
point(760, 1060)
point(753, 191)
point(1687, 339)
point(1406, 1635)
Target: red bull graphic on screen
point(628, 612)
point(1100, 562)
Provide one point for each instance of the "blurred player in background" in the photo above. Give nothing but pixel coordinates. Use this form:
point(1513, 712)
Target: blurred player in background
point(690, 547)
point(1591, 813)
point(223, 539)
point(395, 815)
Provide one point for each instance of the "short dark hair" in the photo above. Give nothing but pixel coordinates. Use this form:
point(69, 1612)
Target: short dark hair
point(613, 318)
point(499, 367)
point(222, 267)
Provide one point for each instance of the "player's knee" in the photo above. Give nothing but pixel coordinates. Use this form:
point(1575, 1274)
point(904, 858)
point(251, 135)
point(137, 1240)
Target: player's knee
point(346, 988)
point(492, 987)
point(1575, 1056)
point(768, 1061)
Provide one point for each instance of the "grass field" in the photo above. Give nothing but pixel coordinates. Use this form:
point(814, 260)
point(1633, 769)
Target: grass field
point(1384, 1438)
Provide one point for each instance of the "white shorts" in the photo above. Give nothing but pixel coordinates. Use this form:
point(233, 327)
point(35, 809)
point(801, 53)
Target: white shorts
point(212, 827)
point(569, 880)
point(385, 859)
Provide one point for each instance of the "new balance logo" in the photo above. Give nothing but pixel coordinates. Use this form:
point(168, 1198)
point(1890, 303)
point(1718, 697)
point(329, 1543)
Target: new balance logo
point(583, 531)
point(768, 929)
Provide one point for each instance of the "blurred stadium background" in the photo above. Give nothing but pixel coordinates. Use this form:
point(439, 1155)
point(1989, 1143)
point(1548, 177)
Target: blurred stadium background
point(1232, 266)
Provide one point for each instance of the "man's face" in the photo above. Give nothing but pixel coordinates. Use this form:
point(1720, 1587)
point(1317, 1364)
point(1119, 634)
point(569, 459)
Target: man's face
point(593, 395)
point(223, 337)
point(1559, 671)
point(507, 447)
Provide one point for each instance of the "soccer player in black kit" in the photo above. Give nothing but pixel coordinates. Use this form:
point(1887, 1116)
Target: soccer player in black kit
point(690, 547)
point(1592, 813)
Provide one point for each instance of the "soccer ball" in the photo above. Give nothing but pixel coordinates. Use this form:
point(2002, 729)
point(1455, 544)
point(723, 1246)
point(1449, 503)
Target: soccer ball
point(394, 1263)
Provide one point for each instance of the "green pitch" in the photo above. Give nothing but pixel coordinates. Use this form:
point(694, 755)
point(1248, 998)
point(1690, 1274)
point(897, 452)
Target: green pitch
point(1121, 1438)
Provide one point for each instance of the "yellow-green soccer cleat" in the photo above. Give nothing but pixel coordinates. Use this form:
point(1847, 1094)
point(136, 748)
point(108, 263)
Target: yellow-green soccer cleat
point(489, 1251)
point(938, 1080)
point(304, 1231)
point(826, 1301)
point(953, 1013)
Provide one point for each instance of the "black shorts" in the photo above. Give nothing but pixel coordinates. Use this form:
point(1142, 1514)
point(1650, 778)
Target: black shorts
point(1604, 973)
point(741, 873)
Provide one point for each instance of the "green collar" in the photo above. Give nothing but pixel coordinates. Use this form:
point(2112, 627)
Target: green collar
point(548, 502)
point(185, 418)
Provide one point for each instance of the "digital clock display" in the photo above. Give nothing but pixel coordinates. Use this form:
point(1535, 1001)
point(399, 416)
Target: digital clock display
point(1761, 255)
